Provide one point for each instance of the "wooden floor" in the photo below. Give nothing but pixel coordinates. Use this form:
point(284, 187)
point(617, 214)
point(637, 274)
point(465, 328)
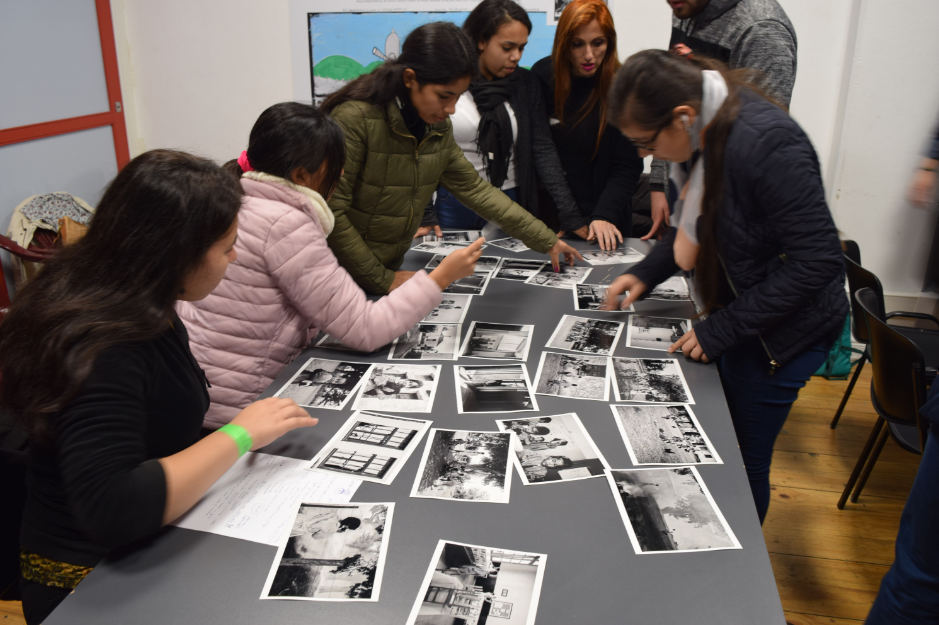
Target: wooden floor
point(828, 562)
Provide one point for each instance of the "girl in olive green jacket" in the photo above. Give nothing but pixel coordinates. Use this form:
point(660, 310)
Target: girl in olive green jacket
point(400, 147)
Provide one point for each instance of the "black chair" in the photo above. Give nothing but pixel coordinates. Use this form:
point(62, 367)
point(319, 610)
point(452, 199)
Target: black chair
point(898, 390)
point(927, 340)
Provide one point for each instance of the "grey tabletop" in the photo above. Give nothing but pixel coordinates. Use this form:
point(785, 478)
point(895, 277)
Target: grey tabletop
point(592, 574)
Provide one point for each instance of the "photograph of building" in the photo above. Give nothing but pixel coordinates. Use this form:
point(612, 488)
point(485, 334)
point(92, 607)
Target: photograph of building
point(493, 388)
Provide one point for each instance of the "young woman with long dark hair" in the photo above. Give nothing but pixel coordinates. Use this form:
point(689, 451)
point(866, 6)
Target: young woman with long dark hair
point(400, 148)
point(286, 284)
point(500, 122)
point(96, 364)
point(602, 168)
point(753, 224)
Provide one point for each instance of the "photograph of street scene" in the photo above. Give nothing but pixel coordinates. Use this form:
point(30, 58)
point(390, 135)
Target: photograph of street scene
point(465, 466)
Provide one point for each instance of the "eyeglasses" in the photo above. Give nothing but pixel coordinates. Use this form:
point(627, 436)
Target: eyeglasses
point(648, 146)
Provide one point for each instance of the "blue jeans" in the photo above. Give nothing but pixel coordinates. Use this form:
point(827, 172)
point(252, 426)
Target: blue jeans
point(909, 592)
point(453, 215)
point(759, 404)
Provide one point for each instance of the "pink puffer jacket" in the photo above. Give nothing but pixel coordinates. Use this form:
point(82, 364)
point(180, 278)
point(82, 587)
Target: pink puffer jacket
point(285, 286)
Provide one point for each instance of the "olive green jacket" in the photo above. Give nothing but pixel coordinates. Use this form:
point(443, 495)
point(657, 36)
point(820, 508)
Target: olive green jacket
point(388, 181)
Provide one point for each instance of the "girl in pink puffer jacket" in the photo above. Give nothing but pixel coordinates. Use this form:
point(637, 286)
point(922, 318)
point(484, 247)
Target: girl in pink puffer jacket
point(286, 285)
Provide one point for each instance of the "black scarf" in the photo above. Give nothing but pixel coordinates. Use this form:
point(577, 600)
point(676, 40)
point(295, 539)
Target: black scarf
point(494, 135)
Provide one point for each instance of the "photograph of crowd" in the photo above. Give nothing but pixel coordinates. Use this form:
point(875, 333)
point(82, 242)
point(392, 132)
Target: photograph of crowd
point(433, 245)
point(498, 341)
point(370, 446)
point(427, 341)
point(324, 383)
point(493, 388)
point(332, 552)
point(591, 336)
point(613, 257)
point(451, 309)
point(591, 297)
point(399, 388)
point(473, 284)
point(489, 263)
point(669, 510)
point(511, 244)
point(465, 466)
point(664, 434)
point(675, 289)
point(554, 449)
point(574, 376)
point(566, 277)
point(474, 585)
point(655, 332)
point(650, 380)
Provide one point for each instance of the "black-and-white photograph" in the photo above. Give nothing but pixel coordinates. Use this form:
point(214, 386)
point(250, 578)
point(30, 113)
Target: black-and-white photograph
point(655, 332)
point(493, 388)
point(454, 236)
point(370, 446)
point(554, 449)
point(451, 309)
point(650, 380)
point(324, 383)
point(564, 278)
point(580, 334)
point(450, 242)
point(669, 510)
point(332, 552)
point(465, 466)
point(510, 243)
point(519, 269)
point(675, 289)
point(474, 585)
point(613, 257)
point(427, 341)
point(399, 388)
point(473, 284)
point(664, 434)
point(497, 341)
point(573, 376)
point(487, 263)
point(591, 297)
point(327, 342)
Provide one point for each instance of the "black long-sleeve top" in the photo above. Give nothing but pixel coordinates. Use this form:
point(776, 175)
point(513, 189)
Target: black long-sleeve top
point(99, 485)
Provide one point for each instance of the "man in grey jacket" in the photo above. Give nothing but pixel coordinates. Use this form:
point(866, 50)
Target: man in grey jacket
point(751, 34)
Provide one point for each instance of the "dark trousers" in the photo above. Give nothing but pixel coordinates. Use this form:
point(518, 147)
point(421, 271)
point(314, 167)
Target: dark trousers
point(39, 601)
point(909, 592)
point(759, 404)
point(453, 215)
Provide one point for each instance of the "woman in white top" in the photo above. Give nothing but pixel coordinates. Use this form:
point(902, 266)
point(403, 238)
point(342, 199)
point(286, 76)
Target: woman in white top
point(500, 117)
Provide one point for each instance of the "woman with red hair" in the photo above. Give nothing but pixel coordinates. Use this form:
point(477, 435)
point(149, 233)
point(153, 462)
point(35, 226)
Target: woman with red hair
point(602, 167)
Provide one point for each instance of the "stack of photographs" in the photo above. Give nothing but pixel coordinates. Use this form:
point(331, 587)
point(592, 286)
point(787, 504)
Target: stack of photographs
point(565, 278)
point(332, 552)
point(399, 388)
point(675, 289)
point(370, 446)
point(451, 309)
point(591, 297)
point(510, 244)
point(649, 380)
point(613, 257)
point(473, 284)
point(487, 263)
point(664, 434)
point(655, 332)
point(669, 510)
point(497, 341)
point(591, 336)
point(493, 388)
point(427, 341)
point(327, 384)
point(465, 466)
point(573, 376)
point(554, 449)
point(520, 270)
point(474, 585)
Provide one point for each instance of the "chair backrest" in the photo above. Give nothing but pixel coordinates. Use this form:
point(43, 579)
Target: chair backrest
point(899, 383)
point(852, 250)
point(860, 278)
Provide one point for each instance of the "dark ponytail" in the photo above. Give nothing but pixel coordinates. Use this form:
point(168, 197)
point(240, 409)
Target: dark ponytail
point(489, 16)
point(439, 53)
point(645, 91)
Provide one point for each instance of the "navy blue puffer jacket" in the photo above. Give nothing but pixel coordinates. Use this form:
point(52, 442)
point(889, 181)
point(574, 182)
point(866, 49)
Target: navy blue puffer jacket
point(776, 237)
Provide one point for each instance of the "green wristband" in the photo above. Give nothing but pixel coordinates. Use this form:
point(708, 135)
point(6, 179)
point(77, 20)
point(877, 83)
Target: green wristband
point(240, 436)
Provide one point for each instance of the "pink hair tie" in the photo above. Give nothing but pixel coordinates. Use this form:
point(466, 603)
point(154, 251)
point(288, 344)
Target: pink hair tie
point(244, 163)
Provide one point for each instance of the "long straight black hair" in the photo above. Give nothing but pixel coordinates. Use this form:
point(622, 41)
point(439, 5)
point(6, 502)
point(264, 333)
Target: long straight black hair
point(648, 87)
point(439, 53)
point(117, 285)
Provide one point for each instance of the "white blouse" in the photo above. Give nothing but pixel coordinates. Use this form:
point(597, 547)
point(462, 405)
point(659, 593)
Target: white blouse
point(466, 124)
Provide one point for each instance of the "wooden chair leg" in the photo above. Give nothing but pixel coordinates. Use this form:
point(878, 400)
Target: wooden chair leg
point(870, 464)
point(847, 393)
point(868, 446)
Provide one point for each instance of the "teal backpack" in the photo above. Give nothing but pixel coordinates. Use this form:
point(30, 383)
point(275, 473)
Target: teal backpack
point(838, 364)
